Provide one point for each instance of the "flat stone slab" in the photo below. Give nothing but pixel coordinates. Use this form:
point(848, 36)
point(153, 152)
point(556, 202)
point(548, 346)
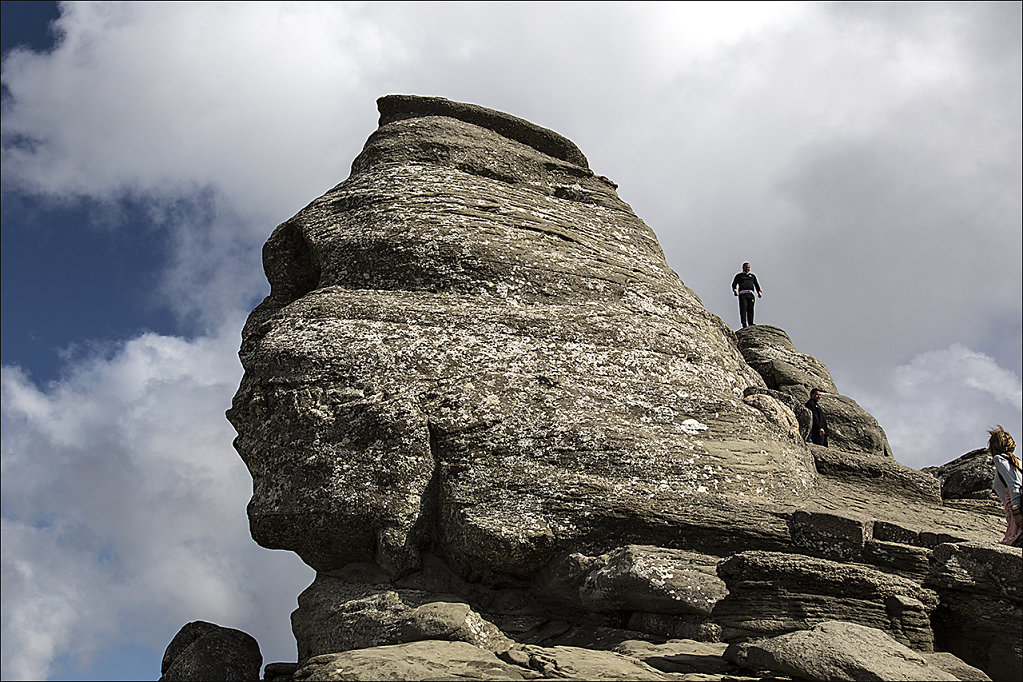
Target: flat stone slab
point(836, 651)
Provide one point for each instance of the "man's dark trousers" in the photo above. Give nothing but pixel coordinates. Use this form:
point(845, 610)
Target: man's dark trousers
point(746, 303)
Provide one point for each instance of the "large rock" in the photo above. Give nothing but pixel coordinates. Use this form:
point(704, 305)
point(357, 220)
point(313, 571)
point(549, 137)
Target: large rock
point(967, 477)
point(770, 593)
point(334, 615)
point(205, 651)
point(643, 578)
point(770, 351)
point(980, 586)
point(475, 344)
point(836, 651)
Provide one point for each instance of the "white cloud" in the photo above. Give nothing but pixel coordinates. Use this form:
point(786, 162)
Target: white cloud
point(940, 404)
point(124, 507)
point(150, 98)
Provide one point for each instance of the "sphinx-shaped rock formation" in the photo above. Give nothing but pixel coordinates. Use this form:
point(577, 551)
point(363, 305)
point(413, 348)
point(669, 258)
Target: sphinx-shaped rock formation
point(473, 344)
point(479, 403)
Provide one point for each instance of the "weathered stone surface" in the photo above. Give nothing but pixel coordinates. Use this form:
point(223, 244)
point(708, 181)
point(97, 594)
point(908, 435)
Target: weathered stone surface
point(426, 660)
point(836, 651)
point(574, 663)
point(471, 335)
point(698, 628)
point(828, 536)
point(804, 419)
point(679, 656)
point(979, 615)
point(981, 568)
point(892, 557)
point(654, 580)
point(334, 615)
point(967, 477)
point(874, 474)
point(770, 351)
point(955, 666)
point(772, 593)
point(205, 651)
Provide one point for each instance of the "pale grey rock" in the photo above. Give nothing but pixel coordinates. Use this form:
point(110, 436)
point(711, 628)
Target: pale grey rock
point(425, 660)
point(837, 651)
point(477, 346)
point(334, 615)
point(804, 419)
point(877, 477)
point(205, 651)
point(772, 593)
point(654, 580)
point(770, 351)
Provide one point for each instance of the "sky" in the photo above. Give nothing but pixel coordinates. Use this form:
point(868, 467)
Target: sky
point(864, 158)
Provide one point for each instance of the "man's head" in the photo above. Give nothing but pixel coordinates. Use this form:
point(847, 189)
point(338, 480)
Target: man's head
point(815, 395)
point(745, 267)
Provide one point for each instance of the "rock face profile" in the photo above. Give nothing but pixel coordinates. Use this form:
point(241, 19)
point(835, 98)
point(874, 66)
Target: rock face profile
point(514, 445)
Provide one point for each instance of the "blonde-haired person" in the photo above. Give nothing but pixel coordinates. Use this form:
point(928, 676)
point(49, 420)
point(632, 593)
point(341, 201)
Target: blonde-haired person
point(1007, 483)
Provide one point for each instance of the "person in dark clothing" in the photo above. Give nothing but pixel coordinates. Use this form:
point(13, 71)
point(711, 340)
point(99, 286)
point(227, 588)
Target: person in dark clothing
point(744, 286)
point(819, 428)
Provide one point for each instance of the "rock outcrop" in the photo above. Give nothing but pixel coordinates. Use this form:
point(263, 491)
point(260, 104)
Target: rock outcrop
point(967, 477)
point(770, 351)
point(515, 445)
point(204, 651)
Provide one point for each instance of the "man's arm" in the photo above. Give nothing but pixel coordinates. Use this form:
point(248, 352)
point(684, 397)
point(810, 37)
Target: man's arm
point(756, 285)
point(735, 283)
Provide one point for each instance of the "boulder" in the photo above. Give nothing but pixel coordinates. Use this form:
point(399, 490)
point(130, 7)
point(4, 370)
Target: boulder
point(654, 580)
point(205, 651)
point(334, 615)
point(836, 651)
point(967, 477)
point(771, 593)
point(770, 351)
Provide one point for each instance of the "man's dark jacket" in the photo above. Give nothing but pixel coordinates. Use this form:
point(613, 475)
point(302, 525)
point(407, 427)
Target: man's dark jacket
point(745, 281)
point(819, 422)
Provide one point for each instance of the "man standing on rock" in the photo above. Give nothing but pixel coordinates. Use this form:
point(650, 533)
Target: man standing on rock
point(745, 285)
point(819, 428)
